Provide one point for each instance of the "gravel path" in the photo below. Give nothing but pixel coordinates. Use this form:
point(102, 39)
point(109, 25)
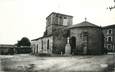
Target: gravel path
point(58, 64)
point(1, 66)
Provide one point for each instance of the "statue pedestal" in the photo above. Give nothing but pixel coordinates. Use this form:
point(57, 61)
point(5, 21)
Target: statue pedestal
point(67, 49)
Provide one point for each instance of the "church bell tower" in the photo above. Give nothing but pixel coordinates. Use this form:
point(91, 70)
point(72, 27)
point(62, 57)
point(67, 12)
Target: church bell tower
point(56, 20)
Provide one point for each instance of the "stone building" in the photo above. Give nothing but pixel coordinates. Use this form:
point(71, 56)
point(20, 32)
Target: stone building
point(55, 36)
point(42, 45)
point(6, 49)
point(86, 38)
point(109, 38)
point(61, 37)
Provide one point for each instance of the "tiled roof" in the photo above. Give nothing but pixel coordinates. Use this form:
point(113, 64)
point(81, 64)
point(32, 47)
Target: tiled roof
point(110, 26)
point(58, 14)
point(41, 37)
point(84, 24)
point(7, 45)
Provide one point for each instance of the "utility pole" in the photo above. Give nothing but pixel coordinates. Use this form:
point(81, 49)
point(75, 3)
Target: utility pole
point(111, 7)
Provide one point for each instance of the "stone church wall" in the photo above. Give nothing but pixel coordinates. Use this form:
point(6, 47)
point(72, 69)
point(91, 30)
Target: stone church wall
point(49, 30)
point(60, 40)
point(94, 43)
point(47, 44)
point(42, 45)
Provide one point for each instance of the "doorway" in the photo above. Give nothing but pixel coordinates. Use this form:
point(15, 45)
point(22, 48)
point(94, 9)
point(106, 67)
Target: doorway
point(73, 45)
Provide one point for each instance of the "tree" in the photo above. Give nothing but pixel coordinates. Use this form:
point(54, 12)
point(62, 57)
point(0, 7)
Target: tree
point(24, 42)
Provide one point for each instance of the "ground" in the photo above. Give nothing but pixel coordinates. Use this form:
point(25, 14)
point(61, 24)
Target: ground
point(30, 63)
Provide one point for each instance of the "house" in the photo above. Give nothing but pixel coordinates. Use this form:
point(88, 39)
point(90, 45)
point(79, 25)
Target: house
point(6, 49)
point(109, 38)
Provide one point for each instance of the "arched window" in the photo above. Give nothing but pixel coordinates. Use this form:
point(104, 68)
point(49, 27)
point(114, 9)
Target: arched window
point(37, 48)
point(34, 48)
point(47, 44)
point(42, 44)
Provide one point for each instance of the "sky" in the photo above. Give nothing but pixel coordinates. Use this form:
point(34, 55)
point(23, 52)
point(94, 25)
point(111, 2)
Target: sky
point(27, 18)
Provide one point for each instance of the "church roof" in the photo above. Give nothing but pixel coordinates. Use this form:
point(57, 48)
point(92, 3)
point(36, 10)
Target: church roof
point(58, 14)
point(41, 37)
point(84, 24)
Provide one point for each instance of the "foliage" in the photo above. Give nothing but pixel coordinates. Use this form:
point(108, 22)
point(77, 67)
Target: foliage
point(24, 42)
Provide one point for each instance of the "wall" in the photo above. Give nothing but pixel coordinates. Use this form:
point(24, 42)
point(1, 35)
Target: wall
point(41, 45)
point(60, 40)
point(95, 44)
point(47, 49)
point(106, 42)
point(23, 50)
point(59, 19)
point(55, 21)
point(49, 30)
point(4, 51)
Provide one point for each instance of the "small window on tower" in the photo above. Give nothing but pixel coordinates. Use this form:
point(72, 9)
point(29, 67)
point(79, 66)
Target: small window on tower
point(65, 17)
point(56, 15)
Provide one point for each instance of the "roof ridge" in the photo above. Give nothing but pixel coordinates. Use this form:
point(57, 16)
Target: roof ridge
point(84, 24)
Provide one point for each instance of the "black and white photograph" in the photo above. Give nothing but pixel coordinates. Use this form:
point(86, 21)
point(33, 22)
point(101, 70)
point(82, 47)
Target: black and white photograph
point(57, 35)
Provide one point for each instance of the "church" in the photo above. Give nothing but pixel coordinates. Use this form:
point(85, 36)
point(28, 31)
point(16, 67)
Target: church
point(63, 38)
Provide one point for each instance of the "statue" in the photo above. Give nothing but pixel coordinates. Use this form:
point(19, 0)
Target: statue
point(67, 48)
point(68, 40)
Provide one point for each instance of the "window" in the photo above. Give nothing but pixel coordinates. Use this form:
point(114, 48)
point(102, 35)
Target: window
point(109, 39)
point(48, 44)
point(109, 31)
point(84, 36)
point(60, 17)
point(85, 33)
point(42, 44)
point(37, 48)
point(34, 48)
point(65, 17)
point(109, 46)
